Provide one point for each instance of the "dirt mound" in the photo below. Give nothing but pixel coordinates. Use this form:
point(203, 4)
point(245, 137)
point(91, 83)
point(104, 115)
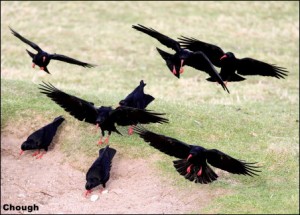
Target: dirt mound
point(55, 186)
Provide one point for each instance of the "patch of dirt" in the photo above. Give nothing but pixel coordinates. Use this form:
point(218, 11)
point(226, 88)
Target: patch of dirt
point(55, 186)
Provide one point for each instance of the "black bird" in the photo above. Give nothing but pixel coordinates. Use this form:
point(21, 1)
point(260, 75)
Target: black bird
point(137, 99)
point(41, 138)
point(99, 172)
point(230, 65)
point(193, 163)
point(103, 117)
point(42, 58)
point(182, 57)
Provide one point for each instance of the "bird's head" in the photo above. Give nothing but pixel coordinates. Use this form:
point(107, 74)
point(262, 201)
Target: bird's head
point(91, 183)
point(28, 145)
point(228, 55)
point(103, 113)
point(123, 103)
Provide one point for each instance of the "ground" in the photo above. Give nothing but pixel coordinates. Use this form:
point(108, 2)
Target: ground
point(55, 186)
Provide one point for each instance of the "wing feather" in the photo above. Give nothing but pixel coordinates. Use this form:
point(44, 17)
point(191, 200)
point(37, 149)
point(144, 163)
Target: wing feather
point(167, 145)
point(78, 108)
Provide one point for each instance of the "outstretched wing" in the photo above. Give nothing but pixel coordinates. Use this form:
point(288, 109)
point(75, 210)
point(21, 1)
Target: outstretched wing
point(199, 61)
point(163, 39)
point(130, 116)
point(213, 52)
point(249, 66)
point(167, 145)
point(79, 108)
point(225, 162)
point(70, 60)
point(33, 45)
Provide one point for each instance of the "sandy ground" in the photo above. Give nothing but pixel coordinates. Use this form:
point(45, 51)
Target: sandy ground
point(55, 186)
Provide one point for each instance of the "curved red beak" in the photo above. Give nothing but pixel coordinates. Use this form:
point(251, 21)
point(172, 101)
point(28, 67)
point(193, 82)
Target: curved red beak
point(224, 56)
point(189, 157)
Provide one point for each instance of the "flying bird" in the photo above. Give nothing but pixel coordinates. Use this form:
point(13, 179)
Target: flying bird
point(41, 138)
point(104, 117)
point(232, 67)
point(193, 160)
point(175, 62)
point(137, 99)
point(99, 172)
point(42, 58)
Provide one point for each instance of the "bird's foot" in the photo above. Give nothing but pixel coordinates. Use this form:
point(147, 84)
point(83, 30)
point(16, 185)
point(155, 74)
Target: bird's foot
point(100, 142)
point(87, 192)
point(189, 168)
point(130, 130)
point(33, 65)
point(181, 70)
point(200, 171)
point(106, 140)
point(36, 153)
point(174, 70)
point(42, 68)
point(41, 155)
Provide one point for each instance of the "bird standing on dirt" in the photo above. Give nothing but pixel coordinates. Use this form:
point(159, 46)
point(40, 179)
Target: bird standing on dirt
point(230, 65)
point(42, 58)
point(99, 172)
point(103, 117)
point(193, 163)
point(41, 138)
point(137, 99)
point(175, 62)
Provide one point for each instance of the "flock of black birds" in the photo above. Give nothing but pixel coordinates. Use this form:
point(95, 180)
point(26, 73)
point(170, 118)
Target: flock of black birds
point(131, 111)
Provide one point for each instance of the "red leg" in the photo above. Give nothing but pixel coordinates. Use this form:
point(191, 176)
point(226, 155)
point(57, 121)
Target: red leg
point(174, 70)
point(130, 130)
point(87, 192)
point(36, 153)
point(181, 68)
point(40, 156)
point(107, 139)
point(189, 168)
point(33, 65)
point(101, 189)
point(200, 171)
point(42, 68)
point(21, 152)
point(100, 142)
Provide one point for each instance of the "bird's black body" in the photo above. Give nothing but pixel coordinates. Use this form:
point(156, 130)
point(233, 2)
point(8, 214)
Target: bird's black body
point(99, 172)
point(193, 160)
point(232, 67)
point(182, 57)
point(105, 117)
point(137, 98)
point(42, 58)
point(41, 138)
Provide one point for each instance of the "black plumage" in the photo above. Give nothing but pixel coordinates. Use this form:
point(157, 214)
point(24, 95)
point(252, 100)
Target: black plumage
point(193, 160)
point(104, 117)
point(41, 138)
point(99, 172)
point(137, 99)
point(175, 62)
point(42, 58)
point(232, 67)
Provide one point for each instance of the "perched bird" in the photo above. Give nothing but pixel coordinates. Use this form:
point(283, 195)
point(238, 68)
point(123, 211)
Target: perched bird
point(193, 163)
point(103, 117)
point(99, 172)
point(42, 58)
point(175, 62)
point(230, 65)
point(137, 99)
point(41, 138)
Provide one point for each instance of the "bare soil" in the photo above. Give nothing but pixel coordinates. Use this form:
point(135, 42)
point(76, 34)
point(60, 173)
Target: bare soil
point(55, 186)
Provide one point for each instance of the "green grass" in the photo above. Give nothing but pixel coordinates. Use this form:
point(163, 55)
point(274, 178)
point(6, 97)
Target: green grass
point(257, 121)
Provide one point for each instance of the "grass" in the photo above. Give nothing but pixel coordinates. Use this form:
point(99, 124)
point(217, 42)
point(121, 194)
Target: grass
point(257, 121)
